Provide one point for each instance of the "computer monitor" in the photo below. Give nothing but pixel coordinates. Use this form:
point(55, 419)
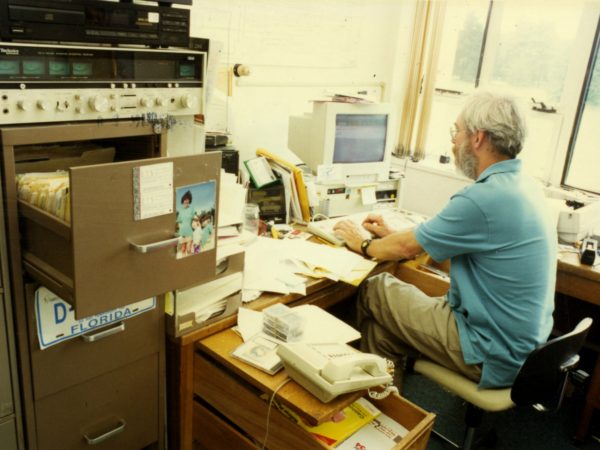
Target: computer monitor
point(353, 140)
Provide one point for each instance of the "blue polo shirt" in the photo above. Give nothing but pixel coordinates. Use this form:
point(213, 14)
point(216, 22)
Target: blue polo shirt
point(501, 241)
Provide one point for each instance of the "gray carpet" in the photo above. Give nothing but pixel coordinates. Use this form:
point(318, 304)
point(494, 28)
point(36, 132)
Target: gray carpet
point(517, 429)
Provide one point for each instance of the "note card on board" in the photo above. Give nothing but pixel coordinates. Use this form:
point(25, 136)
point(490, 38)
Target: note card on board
point(152, 190)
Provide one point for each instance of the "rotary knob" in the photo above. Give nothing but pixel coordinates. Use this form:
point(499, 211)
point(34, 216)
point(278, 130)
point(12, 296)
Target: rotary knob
point(98, 103)
point(188, 101)
point(62, 106)
point(44, 105)
point(24, 105)
point(145, 102)
point(160, 101)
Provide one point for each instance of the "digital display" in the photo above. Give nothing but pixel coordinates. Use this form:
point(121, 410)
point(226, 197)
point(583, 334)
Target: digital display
point(187, 70)
point(58, 68)
point(82, 69)
point(360, 138)
point(33, 67)
point(9, 67)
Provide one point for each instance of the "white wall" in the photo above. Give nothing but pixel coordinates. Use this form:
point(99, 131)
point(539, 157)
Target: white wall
point(297, 50)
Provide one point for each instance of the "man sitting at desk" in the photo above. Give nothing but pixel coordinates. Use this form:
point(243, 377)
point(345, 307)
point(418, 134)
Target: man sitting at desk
point(501, 242)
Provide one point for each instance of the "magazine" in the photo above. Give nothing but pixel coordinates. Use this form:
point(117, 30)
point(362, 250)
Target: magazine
point(342, 425)
point(381, 433)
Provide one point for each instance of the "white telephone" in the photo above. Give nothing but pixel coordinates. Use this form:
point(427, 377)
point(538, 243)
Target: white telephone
point(328, 370)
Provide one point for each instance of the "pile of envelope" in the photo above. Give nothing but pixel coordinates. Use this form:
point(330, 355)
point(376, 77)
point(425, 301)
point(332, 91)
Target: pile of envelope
point(48, 191)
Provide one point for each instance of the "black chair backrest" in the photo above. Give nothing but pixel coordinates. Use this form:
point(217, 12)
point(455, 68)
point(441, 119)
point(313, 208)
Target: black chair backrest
point(542, 377)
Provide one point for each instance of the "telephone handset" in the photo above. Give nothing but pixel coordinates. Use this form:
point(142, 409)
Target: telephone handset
point(328, 370)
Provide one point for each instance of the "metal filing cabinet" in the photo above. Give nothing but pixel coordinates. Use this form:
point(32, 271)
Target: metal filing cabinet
point(10, 423)
point(104, 390)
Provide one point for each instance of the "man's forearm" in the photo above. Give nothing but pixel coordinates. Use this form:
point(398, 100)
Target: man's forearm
point(395, 246)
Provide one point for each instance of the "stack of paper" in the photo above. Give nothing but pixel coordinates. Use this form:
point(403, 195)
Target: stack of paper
point(281, 265)
point(46, 190)
point(208, 299)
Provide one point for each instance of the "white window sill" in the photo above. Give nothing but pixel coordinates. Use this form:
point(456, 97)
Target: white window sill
point(431, 165)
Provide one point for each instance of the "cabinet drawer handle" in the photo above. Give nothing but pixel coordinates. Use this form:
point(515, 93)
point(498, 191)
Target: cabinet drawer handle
point(93, 337)
point(103, 437)
point(145, 248)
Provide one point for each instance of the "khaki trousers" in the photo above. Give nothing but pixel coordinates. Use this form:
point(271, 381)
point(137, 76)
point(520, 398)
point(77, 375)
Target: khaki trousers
point(397, 319)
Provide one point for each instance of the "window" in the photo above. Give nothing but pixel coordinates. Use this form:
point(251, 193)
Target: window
point(583, 160)
point(537, 52)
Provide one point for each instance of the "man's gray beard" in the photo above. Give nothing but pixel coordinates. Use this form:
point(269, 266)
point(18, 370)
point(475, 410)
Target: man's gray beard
point(467, 161)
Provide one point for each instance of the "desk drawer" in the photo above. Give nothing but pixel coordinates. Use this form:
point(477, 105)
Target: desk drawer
point(225, 393)
point(430, 283)
point(104, 257)
point(118, 410)
point(75, 360)
point(210, 431)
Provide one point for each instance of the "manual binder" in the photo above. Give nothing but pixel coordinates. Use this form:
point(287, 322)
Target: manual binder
point(298, 180)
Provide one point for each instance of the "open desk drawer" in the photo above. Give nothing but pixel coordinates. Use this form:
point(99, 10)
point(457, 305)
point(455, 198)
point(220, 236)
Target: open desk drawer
point(218, 414)
point(105, 258)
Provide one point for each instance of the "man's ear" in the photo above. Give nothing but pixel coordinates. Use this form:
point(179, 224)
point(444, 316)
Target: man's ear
point(478, 139)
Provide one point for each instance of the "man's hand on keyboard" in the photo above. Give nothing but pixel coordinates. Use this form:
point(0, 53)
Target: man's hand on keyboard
point(375, 224)
point(349, 232)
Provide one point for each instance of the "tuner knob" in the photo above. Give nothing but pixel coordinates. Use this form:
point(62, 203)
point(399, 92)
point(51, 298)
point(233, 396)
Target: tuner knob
point(44, 105)
point(24, 105)
point(160, 101)
point(62, 106)
point(146, 101)
point(98, 103)
point(188, 101)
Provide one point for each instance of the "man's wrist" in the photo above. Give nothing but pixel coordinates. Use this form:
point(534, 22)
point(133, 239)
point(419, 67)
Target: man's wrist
point(364, 247)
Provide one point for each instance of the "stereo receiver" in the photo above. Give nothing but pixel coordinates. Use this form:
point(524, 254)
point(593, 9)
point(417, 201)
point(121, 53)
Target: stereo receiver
point(94, 21)
point(44, 83)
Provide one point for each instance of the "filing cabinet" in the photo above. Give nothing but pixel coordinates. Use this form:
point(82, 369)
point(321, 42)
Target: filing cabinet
point(104, 388)
point(11, 436)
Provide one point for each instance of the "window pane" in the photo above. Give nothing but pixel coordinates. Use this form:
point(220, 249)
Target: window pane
point(534, 43)
point(464, 25)
point(460, 52)
point(583, 170)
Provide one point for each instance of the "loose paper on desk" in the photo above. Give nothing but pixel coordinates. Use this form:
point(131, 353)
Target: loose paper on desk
point(271, 264)
point(320, 326)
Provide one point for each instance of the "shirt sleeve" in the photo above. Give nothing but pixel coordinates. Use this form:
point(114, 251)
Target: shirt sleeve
point(461, 227)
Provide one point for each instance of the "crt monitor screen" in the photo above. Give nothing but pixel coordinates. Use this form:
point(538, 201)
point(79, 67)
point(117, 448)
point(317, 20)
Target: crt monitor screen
point(359, 138)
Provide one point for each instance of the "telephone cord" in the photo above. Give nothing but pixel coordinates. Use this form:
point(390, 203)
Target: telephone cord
point(283, 383)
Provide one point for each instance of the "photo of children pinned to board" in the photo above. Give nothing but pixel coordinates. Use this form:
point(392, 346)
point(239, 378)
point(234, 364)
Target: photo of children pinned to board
point(195, 218)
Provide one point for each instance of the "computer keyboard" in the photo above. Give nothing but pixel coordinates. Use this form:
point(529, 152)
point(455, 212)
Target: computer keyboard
point(398, 220)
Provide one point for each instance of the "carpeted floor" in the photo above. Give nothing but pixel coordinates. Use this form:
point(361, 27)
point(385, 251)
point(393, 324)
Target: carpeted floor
point(516, 429)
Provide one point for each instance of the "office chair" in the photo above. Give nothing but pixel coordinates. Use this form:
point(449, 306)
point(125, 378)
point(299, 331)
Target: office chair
point(540, 383)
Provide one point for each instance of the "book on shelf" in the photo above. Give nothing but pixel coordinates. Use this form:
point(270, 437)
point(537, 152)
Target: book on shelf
point(341, 426)
point(381, 433)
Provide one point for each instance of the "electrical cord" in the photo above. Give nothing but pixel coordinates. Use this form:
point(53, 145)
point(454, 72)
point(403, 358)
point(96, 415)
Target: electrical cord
point(283, 383)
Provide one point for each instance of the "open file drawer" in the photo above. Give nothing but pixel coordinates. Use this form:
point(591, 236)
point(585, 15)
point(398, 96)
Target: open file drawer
point(105, 258)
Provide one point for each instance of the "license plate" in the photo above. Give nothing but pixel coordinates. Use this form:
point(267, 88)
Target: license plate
point(56, 318)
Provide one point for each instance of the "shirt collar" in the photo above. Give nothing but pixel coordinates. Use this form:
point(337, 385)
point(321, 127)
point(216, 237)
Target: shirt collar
point(509, 165)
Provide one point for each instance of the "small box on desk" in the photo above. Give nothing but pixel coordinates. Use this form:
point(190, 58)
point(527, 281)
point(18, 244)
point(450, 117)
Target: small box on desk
point(270, 201)
point(198, 306)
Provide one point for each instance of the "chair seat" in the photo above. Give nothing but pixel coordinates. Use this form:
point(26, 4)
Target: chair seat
point(486, 399)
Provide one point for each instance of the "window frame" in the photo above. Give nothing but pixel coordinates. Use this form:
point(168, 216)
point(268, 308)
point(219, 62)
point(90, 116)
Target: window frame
point(573, 93)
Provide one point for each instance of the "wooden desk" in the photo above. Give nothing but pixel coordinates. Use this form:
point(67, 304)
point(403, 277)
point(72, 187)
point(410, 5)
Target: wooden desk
point(180, 351)
point(582, 282)
point(233, 405)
